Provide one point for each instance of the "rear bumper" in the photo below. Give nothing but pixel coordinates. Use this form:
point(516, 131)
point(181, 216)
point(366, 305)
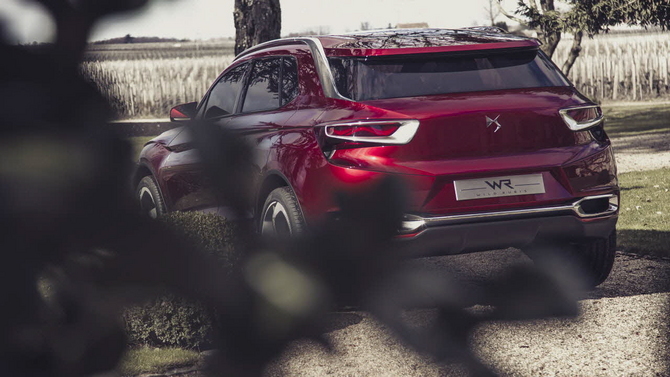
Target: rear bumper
point(458, 234)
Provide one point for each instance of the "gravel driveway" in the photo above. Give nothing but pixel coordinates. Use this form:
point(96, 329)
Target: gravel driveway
point(622, 330)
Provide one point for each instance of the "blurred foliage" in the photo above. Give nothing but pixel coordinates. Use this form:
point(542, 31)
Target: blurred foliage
point(71, 224)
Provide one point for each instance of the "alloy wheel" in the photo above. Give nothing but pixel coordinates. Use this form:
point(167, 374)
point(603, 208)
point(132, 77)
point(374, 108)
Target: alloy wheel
point(276, 221)
point(148, 203)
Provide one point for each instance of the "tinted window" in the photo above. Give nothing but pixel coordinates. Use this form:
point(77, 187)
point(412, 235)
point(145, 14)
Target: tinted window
point(389, 77)
point(289, 80)
point(223, 95)
point(263, 90)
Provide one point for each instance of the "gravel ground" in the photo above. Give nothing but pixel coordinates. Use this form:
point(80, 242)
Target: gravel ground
point(622, 331)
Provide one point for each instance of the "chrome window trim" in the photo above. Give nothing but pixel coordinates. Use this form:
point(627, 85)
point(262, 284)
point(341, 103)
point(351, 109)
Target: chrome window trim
point(320, 61)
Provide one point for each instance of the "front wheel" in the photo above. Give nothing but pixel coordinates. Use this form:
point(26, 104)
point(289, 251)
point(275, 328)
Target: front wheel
point(281, 215)
point(149, 197)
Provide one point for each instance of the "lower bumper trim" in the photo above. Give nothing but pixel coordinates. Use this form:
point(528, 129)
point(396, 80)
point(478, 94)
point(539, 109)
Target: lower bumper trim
point(414, 223)
point(520, 233)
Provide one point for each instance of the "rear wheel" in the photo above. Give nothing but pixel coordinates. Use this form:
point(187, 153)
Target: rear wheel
point(150, 199)
point(593, 259)
point(281, 215)
point(596, 258)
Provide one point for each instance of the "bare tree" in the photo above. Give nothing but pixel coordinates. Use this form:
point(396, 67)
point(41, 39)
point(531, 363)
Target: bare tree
point(492, 11)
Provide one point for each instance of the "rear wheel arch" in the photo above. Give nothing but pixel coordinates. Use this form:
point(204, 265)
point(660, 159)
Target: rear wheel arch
point(273, 180)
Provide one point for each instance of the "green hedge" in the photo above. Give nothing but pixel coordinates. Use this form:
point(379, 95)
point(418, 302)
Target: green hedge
point(171, 321)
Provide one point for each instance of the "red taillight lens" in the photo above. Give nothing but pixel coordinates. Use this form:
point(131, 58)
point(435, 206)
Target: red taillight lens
point(373, 131)
point(582, 117)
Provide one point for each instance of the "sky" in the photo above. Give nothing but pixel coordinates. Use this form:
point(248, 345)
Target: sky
point(26, 21)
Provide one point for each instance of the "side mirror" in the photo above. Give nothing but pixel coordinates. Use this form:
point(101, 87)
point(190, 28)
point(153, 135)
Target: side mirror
point(183, 112)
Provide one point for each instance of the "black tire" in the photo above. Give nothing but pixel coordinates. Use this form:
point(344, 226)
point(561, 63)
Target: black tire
point(281, 215)
point(593, 260)
point(149, 196)
point(596, 258)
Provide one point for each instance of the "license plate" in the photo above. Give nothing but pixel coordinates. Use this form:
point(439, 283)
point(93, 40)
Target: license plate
point(499, 186)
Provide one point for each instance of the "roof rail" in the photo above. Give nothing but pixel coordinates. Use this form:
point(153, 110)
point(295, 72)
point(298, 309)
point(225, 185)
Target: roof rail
point(487, 29)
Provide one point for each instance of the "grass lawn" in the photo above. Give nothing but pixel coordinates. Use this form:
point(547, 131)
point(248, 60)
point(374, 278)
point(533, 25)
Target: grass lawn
point(137, 144)
point(155, 360)
point(644, 221)
point(628, 119)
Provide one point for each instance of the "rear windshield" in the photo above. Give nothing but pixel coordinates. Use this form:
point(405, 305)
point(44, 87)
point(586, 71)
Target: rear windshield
point(372, 78)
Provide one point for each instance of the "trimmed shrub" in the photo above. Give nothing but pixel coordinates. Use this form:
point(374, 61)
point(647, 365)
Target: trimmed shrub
point(171, 321)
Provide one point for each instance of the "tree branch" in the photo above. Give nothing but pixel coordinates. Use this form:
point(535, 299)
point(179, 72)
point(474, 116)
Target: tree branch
point(510, 16)
point(574, 52)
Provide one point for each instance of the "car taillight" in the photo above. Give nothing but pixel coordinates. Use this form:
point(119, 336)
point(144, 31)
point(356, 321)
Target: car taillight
point(373, 131)
point(582, 117)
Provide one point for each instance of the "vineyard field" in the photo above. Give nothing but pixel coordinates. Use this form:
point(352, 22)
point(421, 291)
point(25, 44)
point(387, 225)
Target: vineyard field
point(163, 50)
point(146, 80)
point(148, 88)
point(621, 67)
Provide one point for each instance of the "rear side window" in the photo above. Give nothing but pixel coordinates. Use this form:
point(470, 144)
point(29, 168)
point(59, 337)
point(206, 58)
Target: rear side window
point(224, 94)
point(263, 90)
point(390, 77)
point(270, 78)
point(289, 80)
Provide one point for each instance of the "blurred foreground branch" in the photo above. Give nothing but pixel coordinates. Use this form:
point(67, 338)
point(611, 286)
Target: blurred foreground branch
point(77, 252)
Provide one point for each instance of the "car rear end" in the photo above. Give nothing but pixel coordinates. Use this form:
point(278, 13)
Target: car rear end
point(498, 148)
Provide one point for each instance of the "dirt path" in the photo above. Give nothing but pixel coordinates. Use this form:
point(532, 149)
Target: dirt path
point(642, 152)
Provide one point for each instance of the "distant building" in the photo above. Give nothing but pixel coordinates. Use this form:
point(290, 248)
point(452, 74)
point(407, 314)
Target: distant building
point(414, 25)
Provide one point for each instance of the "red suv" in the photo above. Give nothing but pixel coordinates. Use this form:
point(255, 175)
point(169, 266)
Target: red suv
point(497, 147)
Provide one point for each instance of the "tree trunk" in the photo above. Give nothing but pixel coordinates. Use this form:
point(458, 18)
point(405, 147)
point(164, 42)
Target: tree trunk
point(549, 41)
point(256, 21)
point(549, 35)
point(574, 52)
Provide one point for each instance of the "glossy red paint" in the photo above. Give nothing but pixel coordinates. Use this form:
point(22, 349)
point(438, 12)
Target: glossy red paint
point(454, 140)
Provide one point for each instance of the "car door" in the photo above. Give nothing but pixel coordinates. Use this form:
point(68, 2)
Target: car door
point(182, 172)
point(265, 108)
